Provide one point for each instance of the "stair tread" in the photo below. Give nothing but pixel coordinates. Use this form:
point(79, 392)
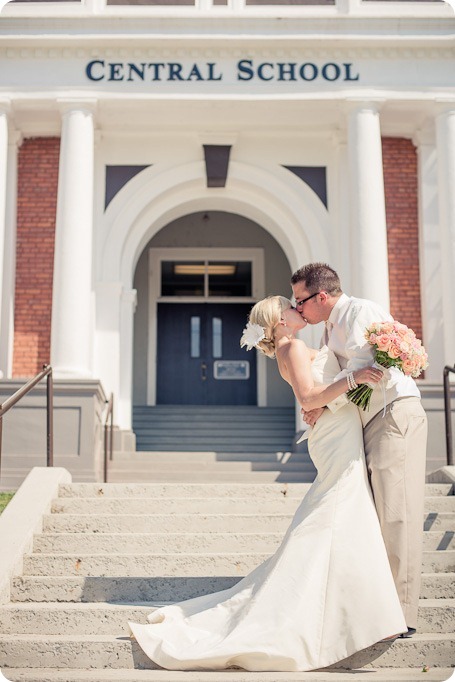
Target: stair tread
point(113, 605)
point(418, 637)
point(130, 675)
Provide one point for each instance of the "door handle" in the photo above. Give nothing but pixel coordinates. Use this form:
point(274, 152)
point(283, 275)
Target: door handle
point(203, 371)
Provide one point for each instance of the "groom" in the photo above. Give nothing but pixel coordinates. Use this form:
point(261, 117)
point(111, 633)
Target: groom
point(395, 444)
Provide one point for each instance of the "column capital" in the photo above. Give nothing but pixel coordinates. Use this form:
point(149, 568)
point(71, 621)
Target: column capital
point(129, 297)
point(426, 135)
point(339, 136)
point(15, 137)
point(68, 104)
point(353, 105)
point(445, 106)
point(5, 106)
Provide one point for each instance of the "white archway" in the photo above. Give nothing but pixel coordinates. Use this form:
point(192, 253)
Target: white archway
point(270, 196)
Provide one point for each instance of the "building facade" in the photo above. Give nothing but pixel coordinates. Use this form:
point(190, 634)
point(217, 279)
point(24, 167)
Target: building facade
point(165, 164)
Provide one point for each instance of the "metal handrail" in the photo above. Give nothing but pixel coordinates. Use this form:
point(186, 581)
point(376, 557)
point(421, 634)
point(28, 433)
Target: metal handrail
point(108, 433)
point(19, 394)
point(448, 414)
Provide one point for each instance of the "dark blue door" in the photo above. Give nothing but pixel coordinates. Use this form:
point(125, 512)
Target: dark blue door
point(199, 359)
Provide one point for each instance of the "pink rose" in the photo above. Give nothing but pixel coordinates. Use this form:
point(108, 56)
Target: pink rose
point(408, 367)
point(383, 342)
point(387, 328)
point(394, 352)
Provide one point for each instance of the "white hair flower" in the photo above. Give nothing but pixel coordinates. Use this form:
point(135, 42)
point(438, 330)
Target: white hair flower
point(252, 335)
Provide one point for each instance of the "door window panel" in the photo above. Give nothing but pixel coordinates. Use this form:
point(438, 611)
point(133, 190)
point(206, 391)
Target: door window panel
point(217, 337)
point(195, 337)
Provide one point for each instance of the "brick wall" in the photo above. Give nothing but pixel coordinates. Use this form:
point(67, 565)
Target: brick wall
point(400, 180)
point(37, 202)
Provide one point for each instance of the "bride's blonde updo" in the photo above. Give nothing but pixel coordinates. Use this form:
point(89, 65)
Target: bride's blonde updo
point(267, 314)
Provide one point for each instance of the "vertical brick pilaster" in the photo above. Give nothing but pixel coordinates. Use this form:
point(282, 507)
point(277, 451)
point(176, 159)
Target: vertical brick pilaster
point(401, 198)
point(37, 202)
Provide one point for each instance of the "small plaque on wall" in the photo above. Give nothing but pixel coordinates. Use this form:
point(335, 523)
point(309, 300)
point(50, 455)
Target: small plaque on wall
point(231, 369)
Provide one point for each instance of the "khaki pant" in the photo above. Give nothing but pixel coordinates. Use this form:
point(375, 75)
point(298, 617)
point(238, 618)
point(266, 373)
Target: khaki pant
point(395, 449)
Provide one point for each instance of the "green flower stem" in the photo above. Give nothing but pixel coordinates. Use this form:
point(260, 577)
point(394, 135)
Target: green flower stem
point(361, 396)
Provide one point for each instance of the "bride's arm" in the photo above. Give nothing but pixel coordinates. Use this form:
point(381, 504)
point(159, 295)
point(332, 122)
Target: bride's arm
point(297, 362)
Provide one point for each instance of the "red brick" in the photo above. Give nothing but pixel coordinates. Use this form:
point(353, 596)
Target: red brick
point(36, 209)
point(401, 199)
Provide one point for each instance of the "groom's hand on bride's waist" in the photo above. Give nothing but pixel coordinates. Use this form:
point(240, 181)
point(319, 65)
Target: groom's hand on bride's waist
point(310, 417)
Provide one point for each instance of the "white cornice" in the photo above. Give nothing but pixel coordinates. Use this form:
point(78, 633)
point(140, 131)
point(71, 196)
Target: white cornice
point(211, 49)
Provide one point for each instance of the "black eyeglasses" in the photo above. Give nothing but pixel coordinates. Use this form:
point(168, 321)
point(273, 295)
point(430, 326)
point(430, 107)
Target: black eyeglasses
point(304, 300)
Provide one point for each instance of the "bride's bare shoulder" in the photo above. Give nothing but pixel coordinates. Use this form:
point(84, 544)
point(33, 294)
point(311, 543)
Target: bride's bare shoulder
point(295, 347)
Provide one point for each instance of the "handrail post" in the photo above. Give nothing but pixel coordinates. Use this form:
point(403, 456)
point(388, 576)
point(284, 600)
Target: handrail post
point(1, 434)
point(105, 453)
point(50, 419)
point(108, 433)
point(448, 414)
point(111, 440)
point(23, 391)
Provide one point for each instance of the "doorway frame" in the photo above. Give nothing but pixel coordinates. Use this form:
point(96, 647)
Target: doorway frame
point(156, 256)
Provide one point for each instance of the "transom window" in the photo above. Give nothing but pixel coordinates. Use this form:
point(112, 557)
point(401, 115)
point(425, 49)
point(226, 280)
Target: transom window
point(207, 278)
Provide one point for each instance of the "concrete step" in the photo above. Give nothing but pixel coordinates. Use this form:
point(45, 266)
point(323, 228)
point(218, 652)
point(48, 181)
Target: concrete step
point(202, 456)
point(205, 505)
point(213, 467)
point(212, 444)
point(439, 521)
point(217, 429)
point(192, 541)
point(180, 415)
point(211, 409)
point(107, 651)
point(169, 564)
point(151, 475)
point(135, 543)
point(212, 418)
point(123, 675)
point(55, 618)
point(207, 456)
point(231, 434)
point(179, 523)
point(162, 490)
point(175, 523)
point(171, 588)
point(437, 586)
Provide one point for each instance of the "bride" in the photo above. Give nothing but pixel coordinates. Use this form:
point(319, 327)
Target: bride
point(327, 592)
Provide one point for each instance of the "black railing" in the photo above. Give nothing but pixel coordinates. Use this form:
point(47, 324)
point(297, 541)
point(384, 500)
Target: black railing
point(19, 394)
point(448, 413)
point(108, 433)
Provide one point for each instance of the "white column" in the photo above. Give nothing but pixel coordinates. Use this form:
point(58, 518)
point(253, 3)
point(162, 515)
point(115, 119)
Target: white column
point(368, 220)
point(72, 333)
point(128, 303)
point(3, 182)
point(9, 258)
point(430, 251)
point(445, 146)
point(108, 359)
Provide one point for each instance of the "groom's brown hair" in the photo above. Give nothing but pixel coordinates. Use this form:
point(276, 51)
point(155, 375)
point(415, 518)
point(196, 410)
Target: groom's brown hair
point(318, 277)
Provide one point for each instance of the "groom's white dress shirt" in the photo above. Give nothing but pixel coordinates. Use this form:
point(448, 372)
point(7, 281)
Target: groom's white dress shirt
point(345, 336)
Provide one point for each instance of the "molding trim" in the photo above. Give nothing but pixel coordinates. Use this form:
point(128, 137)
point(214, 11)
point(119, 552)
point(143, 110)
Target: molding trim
point(267, 51)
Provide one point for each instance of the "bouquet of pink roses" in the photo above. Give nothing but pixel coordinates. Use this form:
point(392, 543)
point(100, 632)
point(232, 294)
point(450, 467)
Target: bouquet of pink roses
point(395, 345)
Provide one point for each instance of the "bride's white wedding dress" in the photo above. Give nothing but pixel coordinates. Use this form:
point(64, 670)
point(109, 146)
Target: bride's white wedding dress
point(326, 593)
